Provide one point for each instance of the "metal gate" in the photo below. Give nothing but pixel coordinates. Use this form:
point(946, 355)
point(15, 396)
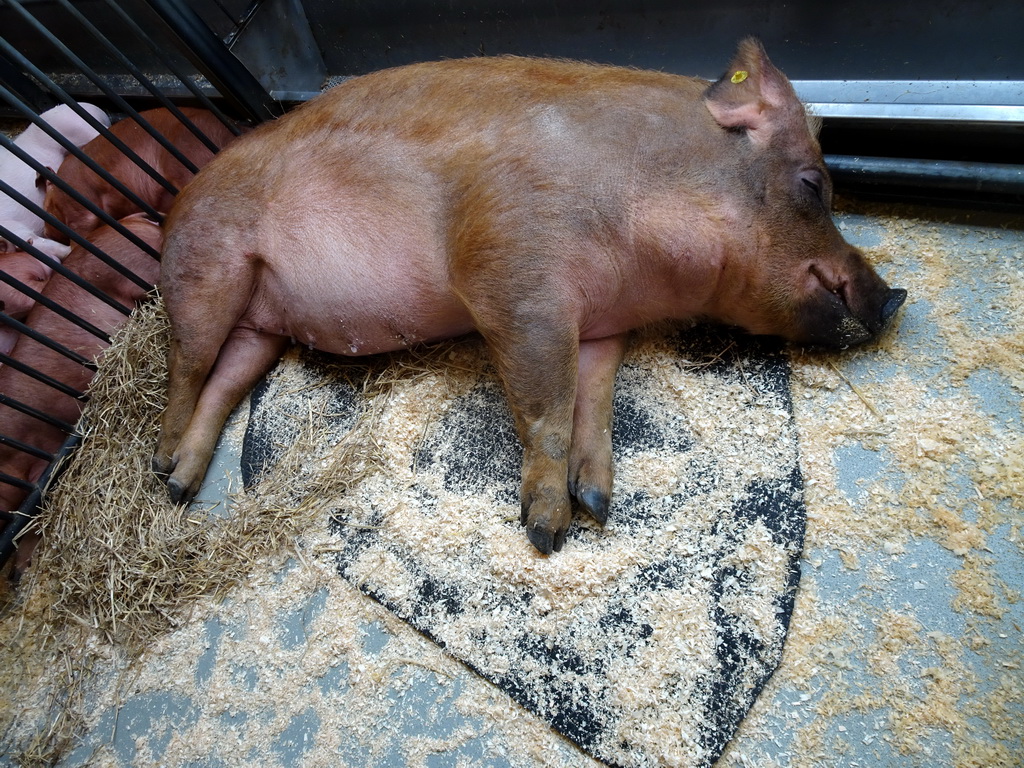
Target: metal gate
point(129, 57)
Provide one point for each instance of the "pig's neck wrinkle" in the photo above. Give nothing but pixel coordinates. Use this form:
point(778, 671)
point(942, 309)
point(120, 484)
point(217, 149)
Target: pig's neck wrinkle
point(666, 285)
point(693, 280)
point(698, 270)
point(674, 264)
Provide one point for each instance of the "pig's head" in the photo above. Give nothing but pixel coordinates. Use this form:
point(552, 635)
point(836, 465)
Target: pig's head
point(802, 281)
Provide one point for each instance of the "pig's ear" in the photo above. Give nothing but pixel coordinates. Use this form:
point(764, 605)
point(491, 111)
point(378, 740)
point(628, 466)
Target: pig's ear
point(753, 95)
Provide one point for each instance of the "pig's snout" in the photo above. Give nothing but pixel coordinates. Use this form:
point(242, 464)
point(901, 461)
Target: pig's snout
point(896, 298)
point(847, 310)
point(891, 300)
point(869, 320)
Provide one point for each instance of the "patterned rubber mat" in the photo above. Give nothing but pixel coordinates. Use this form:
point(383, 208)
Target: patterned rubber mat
point(644, 642)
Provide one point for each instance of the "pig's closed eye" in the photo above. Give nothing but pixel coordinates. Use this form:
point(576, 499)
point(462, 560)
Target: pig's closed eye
point(813, 183)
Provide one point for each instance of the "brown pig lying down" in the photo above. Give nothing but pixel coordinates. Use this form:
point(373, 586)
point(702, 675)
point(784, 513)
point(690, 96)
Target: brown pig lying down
point(44, 398)
point(111, 159)
point(551, 206)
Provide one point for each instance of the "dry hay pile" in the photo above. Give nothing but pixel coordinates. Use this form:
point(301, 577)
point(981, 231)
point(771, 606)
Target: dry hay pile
point(120, 565)
point(865, 665)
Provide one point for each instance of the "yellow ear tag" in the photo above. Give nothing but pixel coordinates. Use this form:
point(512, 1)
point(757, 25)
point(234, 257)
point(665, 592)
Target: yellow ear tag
point(739, 75)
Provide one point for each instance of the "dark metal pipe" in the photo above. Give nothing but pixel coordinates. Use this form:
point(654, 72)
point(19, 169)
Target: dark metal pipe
point(86, 70)
point(56, 266)
point(945, 175)
point(52, 176)
point(25, 448)
point(46, 341)
point(17, 482)
point(73, 236)
point(30, 506)
point(53, 306)
point(209, 54)
point(76, 151)
point(42, 378)
point(185, 80)
point(14, 78)
point(137, 73)
point(36, 414)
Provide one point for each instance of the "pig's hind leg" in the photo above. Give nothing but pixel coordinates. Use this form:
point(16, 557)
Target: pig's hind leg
point(243, 359)
point(590, 458)
point(214, 358)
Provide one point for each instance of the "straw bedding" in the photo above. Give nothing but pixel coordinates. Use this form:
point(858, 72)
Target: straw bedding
point(643, 643)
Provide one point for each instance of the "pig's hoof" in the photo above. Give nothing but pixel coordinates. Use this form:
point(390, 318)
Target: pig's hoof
point(544, 540)
point(179, 492)
point(162, 466)
point(546, 515)
point(14, 577)
point(595, 501)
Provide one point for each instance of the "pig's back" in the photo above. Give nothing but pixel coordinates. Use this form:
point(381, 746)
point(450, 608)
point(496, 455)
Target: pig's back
point(440, 115)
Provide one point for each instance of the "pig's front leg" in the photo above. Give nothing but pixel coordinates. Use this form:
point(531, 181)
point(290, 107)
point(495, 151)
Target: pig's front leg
point(537, 363)
point(590, 459)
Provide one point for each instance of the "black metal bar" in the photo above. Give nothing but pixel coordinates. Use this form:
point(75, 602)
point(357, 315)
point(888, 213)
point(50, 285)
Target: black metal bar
point(14, 78)
point(99, 253)
point(227, 14)
point(208, 53)
point(53, 306)
point(30, 506)
point(17, 482)
point(36, 414)
point(63, 271)
point(70, 147)
point(74, 194)
point(56, 92)
point(49, 381)
point(51, 176)
point(31, 450)
point(83, 242)
point(242, 22)
point(103, 130)
point(90, 206)
point(173, 69)
point(46, 341)
point(947, 175)
point(114, 97)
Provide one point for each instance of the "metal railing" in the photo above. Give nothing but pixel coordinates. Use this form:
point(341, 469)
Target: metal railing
point(218, 83)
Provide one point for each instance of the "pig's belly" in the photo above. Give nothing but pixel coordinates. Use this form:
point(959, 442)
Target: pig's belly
point(359, 301)
point(353, 260)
